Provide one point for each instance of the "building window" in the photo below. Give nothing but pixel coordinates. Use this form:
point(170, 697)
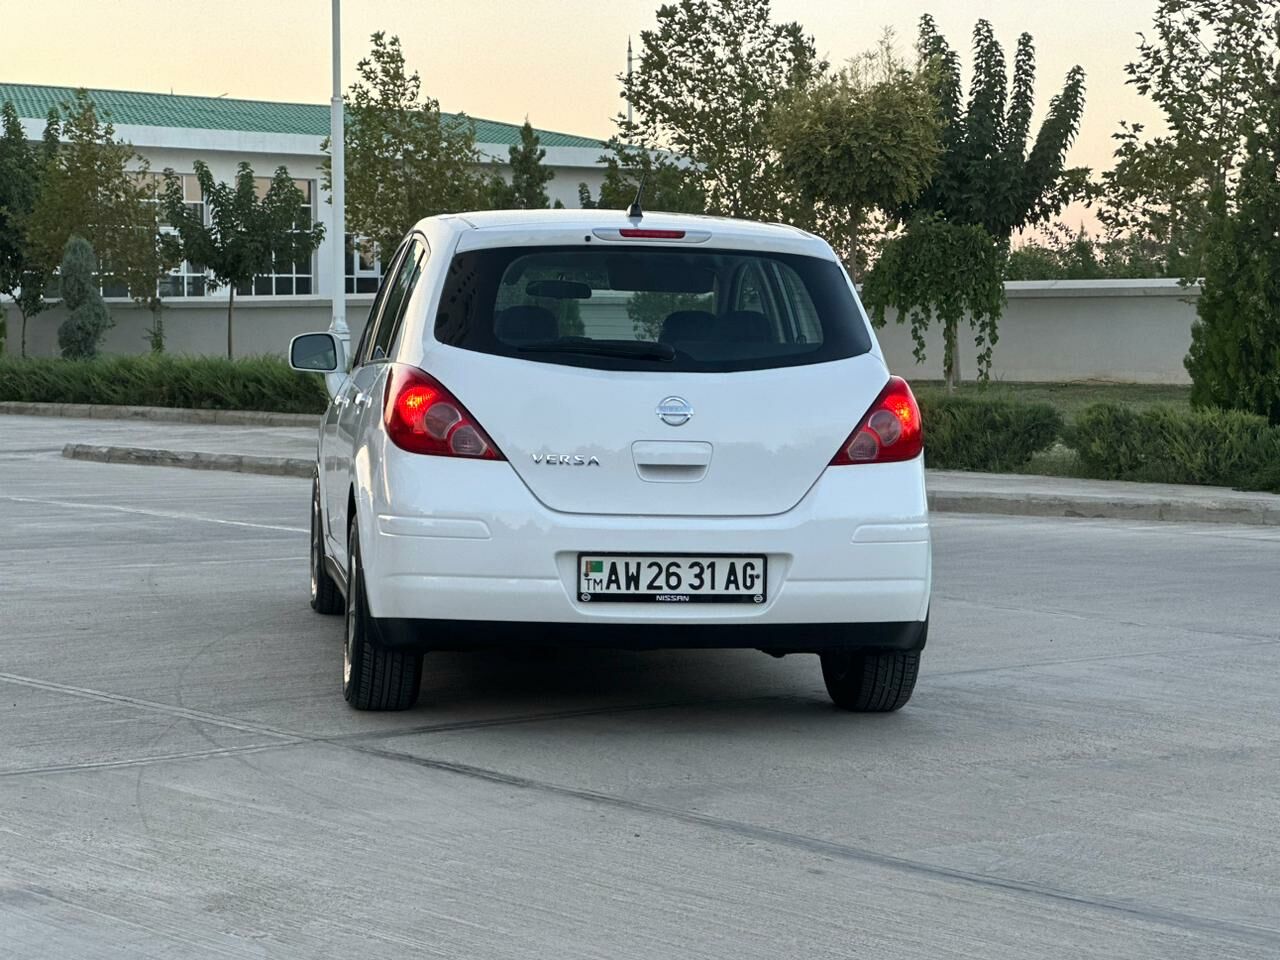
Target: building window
point(364, 266)
point(286, 279)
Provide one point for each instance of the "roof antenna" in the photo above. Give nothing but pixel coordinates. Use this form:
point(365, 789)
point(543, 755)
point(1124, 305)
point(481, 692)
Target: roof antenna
point(634, 212)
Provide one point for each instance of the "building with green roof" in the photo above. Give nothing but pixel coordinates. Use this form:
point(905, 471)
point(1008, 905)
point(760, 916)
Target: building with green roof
point(174, 130)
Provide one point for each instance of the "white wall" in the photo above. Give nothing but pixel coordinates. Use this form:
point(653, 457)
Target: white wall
point(260, 325)
point(1123, 330)
point(1131, 331)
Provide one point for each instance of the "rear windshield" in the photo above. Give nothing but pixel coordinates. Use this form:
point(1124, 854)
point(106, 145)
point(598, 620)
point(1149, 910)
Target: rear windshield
point(648, 309)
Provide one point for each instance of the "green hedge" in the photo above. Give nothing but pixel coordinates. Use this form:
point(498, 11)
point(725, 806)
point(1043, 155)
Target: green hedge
point(213, 383)
point(1168, 445)
point(996, 435)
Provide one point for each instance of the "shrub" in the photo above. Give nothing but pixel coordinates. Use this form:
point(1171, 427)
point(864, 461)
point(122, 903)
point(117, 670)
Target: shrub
point(968, 433)
point(1168, 445)
point(1235, 347)
point(214, 383)
point(87, 316)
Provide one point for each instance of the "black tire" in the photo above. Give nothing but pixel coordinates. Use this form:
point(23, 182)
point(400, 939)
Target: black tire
point(325, 595)
point(870, 682)
point(374, 677)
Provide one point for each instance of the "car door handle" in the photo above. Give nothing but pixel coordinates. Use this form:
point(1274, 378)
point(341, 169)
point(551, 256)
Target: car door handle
point(363, 400)
point(342, 401)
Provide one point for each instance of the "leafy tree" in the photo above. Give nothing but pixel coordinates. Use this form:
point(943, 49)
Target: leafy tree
point(87, 316)
point(669, 183)
point(96, 187)
point(147, 255)
point(404, 160)
point(941, 271)
point(23, 277)
point(1208, 68)
point(247, 231)
point(584, 197)
point(862, 140)
point(529, 178)
point(987, 175)
point(1065, 254)
point(987, 184)
point(1235, 347)
point(705, 83)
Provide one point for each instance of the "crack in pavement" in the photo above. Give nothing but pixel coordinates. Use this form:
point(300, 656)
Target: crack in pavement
point(846, 852)
point(1265, 936)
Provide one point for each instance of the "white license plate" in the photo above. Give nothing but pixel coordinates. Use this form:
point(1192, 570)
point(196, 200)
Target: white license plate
point(659, 578)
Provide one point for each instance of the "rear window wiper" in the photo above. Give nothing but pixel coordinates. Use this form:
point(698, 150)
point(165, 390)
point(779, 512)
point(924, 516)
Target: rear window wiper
point(637, 349)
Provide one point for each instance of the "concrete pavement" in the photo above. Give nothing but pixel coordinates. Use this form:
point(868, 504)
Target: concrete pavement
point(1088, 769)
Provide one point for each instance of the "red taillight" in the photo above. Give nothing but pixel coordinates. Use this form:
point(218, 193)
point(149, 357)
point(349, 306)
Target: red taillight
point(636, 234)
point(890, 431)
point(421, 416)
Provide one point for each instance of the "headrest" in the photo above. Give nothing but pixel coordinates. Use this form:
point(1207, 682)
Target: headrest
point(747, 326)
point(688, 325)
point(526, 323)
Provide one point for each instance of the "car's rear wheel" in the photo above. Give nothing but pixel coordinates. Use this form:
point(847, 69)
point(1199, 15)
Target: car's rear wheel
point(870, 682)
point(325, 595)
point(374, 677)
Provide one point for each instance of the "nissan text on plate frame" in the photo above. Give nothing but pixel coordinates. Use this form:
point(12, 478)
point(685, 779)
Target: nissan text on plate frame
point(583, 428)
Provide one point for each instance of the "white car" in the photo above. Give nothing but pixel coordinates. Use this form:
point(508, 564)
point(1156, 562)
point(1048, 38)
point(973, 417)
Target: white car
point(593, 428)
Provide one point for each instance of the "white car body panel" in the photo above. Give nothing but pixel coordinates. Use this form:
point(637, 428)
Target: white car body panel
point(454, 539)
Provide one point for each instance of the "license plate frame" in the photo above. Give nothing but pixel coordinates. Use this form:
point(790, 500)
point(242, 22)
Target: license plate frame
point(590, 595)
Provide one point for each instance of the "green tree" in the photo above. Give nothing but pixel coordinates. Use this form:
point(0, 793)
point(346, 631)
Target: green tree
point(987, 184)
point(705, 83)
point(404, 160)
point(96, 187)
point(1061, 253)
point(670, 184)
point(88, 319)
point(529, 177)
point(941, 271)
point(990, 173)
point(1235, 347)
point(1208, 68)
point(23, 277)
point(247, 231)
point(862, 140)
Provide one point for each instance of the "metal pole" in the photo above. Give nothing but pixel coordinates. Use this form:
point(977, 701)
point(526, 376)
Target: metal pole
point(338, 237)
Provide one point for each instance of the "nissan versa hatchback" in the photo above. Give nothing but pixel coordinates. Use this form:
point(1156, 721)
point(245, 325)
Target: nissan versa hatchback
point(589, 428)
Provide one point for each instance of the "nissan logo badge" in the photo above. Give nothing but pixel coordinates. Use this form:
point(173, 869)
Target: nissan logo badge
point(675, 411)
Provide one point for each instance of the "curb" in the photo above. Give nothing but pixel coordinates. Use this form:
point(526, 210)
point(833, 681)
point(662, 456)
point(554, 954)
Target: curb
point(1022, 504)
point(96, 411)
point(232, 462)
point(1102, 507)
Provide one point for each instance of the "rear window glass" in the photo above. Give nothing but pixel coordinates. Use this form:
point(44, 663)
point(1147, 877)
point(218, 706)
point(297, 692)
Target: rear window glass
point(644, 308)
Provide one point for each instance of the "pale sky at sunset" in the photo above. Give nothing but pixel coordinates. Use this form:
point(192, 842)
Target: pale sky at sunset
point(554, 60)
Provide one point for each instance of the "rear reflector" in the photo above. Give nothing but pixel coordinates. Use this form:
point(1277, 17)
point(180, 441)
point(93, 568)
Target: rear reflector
point(891, 430)
point(636, 234)
point(421, 416)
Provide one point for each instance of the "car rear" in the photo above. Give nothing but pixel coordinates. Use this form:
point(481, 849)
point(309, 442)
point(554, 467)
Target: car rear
point(677, 433)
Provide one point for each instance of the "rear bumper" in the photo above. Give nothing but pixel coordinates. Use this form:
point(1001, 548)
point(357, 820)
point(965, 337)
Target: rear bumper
point(778, 638)
point(466, 556)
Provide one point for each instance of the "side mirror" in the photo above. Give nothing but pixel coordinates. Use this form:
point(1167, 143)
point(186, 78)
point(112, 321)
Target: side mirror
point(315, 353)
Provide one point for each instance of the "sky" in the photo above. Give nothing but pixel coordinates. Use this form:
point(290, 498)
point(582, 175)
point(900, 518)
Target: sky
point(553, 61)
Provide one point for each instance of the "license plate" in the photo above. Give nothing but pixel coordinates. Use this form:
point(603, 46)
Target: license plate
point(661, 578)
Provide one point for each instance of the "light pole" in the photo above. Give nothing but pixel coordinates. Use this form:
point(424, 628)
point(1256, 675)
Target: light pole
point(338, 241)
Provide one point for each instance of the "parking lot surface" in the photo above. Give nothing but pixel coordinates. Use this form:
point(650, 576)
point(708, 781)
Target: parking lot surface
point(1090, 766)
